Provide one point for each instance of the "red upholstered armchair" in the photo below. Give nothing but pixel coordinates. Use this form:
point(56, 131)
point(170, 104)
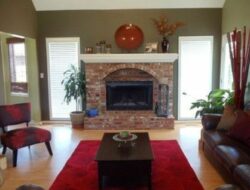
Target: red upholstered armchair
point(21, 137)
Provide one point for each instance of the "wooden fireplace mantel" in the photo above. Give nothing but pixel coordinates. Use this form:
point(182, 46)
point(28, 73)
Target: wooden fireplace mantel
point(130, 58)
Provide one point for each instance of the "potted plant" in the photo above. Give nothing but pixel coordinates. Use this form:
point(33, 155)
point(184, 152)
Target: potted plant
point(211, 109)
point(74, 86)
point(165, 29)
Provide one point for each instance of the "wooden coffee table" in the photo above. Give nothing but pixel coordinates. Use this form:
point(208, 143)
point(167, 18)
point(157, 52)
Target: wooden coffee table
point(132, 160)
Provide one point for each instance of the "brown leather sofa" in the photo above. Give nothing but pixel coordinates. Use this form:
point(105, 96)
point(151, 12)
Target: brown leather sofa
point(230, 157)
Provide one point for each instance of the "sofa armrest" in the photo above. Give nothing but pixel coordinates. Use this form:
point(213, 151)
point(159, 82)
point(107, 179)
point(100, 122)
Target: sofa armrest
point(210, 121)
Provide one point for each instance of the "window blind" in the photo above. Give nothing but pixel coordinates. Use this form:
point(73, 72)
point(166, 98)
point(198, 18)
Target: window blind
point(61, 53)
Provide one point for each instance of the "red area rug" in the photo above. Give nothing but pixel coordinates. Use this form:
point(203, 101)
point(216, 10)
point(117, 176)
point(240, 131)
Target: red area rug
point(171, 170)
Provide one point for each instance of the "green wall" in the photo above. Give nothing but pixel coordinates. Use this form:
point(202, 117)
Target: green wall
point(18, 17)
point(236, 13)
point(32, 73)
point(93, 26)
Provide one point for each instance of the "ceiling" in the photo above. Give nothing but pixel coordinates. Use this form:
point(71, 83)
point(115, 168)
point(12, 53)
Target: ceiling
point(49, 5)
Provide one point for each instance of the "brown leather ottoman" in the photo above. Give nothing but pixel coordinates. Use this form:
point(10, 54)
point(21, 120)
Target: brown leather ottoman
point(29, 187)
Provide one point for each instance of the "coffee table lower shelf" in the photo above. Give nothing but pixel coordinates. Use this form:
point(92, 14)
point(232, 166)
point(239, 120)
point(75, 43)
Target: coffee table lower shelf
point(124, 170)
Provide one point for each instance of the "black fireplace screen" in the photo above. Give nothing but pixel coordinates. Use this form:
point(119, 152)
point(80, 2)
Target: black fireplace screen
point(129, 95)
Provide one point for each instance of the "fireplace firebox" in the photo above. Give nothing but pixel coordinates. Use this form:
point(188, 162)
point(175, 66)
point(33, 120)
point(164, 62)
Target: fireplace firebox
point(129, 95)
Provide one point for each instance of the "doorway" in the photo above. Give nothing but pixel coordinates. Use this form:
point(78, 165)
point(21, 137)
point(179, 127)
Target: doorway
point(194, 72)
point(61, 53)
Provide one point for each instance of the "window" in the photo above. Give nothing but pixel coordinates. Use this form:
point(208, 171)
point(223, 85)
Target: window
point(18, 66)
point(61, 53)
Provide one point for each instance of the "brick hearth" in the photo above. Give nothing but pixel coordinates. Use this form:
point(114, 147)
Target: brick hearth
point(97, 74)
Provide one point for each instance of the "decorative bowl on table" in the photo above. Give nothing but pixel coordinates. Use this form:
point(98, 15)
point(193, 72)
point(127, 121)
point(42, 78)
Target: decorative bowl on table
point(124, 136)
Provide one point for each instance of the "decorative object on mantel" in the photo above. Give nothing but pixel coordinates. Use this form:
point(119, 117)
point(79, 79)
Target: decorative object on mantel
point(239, 48)
point(102, 47)
point(129, 37)
point(166, 29)
point(162, 104)
point(88, 50)
point(108, 48)
point(151, 47)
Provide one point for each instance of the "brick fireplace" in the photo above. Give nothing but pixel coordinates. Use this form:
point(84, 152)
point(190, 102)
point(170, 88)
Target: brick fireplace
point(103, 75)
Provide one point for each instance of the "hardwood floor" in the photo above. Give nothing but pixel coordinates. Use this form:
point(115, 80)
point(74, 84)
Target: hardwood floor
point(37, 167)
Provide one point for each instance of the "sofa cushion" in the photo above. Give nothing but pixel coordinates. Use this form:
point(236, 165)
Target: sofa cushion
point(228, 119)
point(19, 138)
point(242, 175)
point(241, 128)
point(230, 156)
point(227, 187)
point(213, 138)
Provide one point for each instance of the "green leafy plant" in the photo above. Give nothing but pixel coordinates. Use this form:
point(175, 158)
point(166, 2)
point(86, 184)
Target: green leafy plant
point(215, 102)
point(74, 86)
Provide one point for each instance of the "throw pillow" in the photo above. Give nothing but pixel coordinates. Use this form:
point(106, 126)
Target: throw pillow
point(228, 119)
point(241, 128)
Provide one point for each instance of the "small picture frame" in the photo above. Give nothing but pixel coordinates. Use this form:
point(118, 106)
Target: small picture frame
point(151, 47)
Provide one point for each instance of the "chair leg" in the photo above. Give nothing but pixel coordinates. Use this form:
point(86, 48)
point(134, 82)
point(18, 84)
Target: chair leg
point(4, 149)
point(49, 148)
point(14, 157)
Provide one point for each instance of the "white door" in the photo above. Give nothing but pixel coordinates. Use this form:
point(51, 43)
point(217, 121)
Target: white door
point(61, 53)
point(194, 72)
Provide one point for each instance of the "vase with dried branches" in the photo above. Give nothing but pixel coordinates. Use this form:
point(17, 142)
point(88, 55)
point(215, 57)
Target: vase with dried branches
point(239, 47)
point(166, 29)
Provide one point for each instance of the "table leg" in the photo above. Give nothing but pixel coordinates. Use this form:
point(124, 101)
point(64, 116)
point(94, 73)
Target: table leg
point(150, 177)
point(149, 182)
point(100, 180)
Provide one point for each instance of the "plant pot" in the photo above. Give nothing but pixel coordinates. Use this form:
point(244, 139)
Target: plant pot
point(77, 119)
point(210, 120)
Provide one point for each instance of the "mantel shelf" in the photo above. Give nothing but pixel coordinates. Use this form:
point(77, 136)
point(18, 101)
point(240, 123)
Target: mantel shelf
point(130, 58)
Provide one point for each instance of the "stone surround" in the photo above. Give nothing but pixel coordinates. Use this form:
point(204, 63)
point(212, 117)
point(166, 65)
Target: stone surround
point(96, 76)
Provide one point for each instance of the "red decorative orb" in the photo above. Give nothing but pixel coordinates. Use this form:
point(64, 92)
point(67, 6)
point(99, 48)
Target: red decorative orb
point(128, 36)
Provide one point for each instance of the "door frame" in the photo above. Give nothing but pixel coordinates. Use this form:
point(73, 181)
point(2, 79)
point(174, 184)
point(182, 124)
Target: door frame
point(57, 39)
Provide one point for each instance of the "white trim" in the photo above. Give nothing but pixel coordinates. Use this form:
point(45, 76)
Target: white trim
point(130, 58)
point(223, 66)
point(19, 94)
point(61, 39)
point(45, 5)
point(2, 85)
point(223, 52)
point(188, 38)
point(27, 70)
